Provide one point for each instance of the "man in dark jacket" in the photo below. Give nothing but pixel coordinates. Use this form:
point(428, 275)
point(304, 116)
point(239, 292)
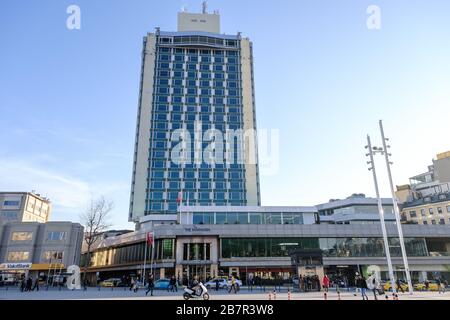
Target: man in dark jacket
point(150, 285)
point(362, 284)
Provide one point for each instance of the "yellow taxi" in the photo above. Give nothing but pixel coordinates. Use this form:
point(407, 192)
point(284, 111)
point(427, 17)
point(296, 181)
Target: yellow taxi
point(403, 285)
point(432, 286)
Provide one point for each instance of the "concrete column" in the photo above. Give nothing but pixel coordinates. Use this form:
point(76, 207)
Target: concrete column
point(179, 271)
point(162, 273)
point(214, 270)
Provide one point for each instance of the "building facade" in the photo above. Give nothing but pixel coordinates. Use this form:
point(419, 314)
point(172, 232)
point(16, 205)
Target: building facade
point(37, 247)
point(426, 200)
point(433, 182)
point(433, 209)
point(195, 139)
point(24, 207)
point(272, 243)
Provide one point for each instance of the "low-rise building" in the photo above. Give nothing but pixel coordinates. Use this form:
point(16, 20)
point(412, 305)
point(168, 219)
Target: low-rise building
point(24, 207)
point(36, 248)
point(433, 209)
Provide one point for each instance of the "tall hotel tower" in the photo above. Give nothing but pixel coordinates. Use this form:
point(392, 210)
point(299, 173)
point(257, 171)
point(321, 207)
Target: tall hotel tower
point(190, 78)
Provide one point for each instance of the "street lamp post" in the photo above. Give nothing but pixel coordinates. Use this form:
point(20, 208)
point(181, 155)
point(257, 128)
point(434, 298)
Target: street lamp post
point(371, 153)
point(396, 211)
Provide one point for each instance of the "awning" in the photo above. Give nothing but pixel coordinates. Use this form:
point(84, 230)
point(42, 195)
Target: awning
point(30, 266)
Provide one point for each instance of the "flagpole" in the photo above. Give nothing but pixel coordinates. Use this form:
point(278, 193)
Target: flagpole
point(145, 258)
point(152, 256)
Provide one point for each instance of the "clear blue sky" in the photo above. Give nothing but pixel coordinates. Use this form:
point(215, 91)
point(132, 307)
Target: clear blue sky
point(68, 99)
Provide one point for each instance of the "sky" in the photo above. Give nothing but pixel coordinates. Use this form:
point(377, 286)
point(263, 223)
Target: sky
point(68, 98)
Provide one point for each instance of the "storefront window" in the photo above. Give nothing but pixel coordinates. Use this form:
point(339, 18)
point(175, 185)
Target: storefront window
point(331, 247)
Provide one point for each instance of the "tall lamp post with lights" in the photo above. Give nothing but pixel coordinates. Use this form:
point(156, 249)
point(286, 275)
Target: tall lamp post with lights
point(396, 210)
point(372, 152)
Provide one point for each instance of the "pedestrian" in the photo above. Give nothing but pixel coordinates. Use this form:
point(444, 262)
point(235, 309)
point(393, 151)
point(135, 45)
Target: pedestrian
point(357, 289)
point(427, 284)
point(326, 283)
point(170, 286)
point(175, 285)
point(399, 286)
point(217, 284)
point(150, 285)
point(362, 285)
point(36, 284)
point(132, 283)
point(317, 280)
point(136, 285)
point(373, 284)
point(29, 284)
point(441, 285)
point(233, 285)
point(22, 284)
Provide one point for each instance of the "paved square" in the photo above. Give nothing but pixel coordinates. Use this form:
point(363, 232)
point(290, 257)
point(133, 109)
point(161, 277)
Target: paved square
point(243, 294)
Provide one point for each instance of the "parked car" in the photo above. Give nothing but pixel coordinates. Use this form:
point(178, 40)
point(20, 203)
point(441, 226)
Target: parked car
point(432, 286)
point(162, 284)
point(223, 283)
point(403, 284)
point(112, 282)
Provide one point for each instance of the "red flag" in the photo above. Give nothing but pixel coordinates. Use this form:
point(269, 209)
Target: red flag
point(150, 238)
point(180, 197)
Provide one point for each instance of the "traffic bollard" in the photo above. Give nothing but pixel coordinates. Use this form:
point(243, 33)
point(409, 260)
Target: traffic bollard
point(325, 296)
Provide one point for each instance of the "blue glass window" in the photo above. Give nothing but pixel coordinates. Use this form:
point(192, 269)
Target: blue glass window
point(156, 195)
point(204, 196)
point(191, 109)
point(190, 100)
point(189, 185)
point(159, 164)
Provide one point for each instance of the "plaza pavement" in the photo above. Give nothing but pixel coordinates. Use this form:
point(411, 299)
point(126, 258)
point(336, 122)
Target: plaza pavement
point(244, 294)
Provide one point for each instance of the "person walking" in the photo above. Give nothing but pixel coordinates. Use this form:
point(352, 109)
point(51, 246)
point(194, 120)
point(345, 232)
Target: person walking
point(29, 284)
point(233, 285)
point(362, 285)
point(217, 284)
point(175, 284)
point(36, 284)
point(22, 284)
point(132, 283)
point(373, 284)
point(326, 283)
point(357, 289)
point(399, 286)
point(317, 280)
point(150, 286)
point(441, 285)
point(427, 285)
point(136, 285)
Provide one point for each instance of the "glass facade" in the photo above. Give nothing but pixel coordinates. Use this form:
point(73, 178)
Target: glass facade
point(331, 247)
point(194, 89)
point(205, 218)
point(134, 253)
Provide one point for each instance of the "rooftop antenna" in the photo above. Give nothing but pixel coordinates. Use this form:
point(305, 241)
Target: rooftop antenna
point(205, 7)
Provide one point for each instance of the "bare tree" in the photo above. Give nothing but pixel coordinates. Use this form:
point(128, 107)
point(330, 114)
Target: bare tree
point(95, 222)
